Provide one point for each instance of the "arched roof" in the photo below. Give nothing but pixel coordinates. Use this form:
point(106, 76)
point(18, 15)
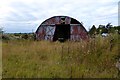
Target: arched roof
point(56, 20)
point(73, 22)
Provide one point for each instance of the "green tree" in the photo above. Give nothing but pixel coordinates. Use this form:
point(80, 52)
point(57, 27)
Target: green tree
point(25, 36)
point(92, 31)
point(100, 29)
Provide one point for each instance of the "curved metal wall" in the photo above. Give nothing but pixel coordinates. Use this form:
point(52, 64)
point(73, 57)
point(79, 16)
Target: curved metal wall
point(46, 30)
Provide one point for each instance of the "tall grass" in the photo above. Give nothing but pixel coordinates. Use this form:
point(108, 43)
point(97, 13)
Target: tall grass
point(0, 59)
point(95, 58)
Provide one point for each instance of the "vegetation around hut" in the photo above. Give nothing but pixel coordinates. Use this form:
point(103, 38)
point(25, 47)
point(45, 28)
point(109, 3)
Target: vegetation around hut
point(26, 58)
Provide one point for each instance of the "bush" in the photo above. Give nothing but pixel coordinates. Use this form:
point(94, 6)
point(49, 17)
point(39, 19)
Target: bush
point(5, 37)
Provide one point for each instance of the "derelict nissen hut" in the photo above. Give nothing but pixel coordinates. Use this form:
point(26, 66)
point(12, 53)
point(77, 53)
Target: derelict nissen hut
point(61, 28)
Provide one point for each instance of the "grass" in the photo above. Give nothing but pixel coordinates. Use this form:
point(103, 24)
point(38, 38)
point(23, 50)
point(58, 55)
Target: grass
point(95, 58)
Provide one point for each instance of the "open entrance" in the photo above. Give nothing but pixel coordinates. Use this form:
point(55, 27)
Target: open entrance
point(62, 32)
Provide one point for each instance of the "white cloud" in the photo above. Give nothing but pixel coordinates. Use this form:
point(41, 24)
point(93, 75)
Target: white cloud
point(32, 12)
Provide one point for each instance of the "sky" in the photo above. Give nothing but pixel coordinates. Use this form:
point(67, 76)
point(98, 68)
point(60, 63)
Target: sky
point(119, 13)
point(23, 16)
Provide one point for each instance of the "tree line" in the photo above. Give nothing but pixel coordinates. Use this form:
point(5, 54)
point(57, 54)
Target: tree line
point(107, 29)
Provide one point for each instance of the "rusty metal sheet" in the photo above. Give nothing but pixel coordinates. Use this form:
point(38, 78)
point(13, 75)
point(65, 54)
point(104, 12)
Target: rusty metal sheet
point(46, 30)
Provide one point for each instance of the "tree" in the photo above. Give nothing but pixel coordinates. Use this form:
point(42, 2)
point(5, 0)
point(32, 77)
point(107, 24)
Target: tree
point(92, 31)
point(108, 25)
point(25, 36)
point(102, 29)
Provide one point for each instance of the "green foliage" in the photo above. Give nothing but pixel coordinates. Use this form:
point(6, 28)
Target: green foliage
point(5, 37)
point(25, 36)
point(92, 31)
point(104, 29)
point(19, 36)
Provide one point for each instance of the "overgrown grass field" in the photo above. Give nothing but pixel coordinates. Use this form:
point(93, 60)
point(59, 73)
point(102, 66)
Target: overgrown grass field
point(95, 58)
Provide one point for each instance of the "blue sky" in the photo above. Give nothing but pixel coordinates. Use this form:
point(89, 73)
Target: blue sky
point(27, 15)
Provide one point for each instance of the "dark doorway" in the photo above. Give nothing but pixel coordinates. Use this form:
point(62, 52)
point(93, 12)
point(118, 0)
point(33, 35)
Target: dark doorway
point(62, 32)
